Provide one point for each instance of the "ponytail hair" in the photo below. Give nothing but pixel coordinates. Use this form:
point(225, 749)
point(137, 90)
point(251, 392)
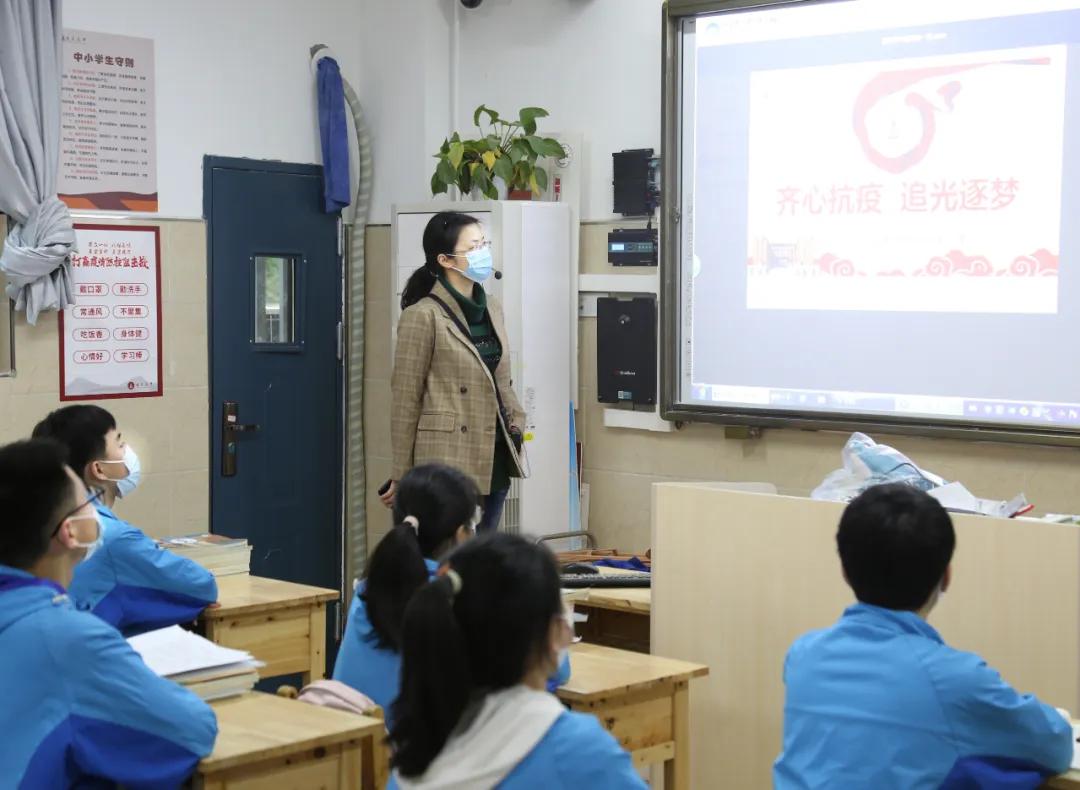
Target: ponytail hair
point(440, 238)
point(458, 645)
point(433, 501)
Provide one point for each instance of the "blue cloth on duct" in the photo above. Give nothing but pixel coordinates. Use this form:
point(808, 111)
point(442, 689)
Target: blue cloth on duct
point(632, 564)
point(334, 136)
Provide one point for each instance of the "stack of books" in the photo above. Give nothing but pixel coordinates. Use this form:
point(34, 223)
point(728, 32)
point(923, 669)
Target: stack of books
point(208, 670)
point(219, 554)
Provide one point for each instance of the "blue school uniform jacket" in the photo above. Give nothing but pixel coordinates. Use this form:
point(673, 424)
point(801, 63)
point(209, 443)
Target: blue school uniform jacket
point(134, 586)
point(879, 700)
point(376, 671)
point(577, 752)
point(79, 707)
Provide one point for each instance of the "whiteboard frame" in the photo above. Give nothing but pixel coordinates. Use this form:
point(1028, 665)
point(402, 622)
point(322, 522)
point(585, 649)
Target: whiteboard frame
point(674, 409)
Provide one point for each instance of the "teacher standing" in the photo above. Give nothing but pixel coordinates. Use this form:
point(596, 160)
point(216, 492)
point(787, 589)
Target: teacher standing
point(452, 397)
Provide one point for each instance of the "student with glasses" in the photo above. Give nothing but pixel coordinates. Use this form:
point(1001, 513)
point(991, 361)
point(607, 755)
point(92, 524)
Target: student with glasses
point(80, 708)
point(452, 397)
point(130, 583)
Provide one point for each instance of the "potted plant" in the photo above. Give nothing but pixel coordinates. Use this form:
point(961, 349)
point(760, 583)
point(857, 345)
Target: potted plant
point(506, 150)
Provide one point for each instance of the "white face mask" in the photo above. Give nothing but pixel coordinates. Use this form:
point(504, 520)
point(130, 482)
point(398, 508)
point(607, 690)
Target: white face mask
point(95, 544)
point(128, 484)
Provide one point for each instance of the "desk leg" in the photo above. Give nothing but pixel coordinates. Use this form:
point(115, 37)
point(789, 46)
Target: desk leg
point(350, 769)
point(677, 769)
point(316, 645)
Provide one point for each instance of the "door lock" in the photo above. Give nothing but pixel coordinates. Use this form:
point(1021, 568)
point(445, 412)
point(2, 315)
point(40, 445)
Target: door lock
point(230, 427)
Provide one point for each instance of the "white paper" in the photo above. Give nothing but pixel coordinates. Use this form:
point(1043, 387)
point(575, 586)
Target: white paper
point(170, 651)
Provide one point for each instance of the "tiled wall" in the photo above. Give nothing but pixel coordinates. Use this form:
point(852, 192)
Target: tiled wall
point(620, 464)
point(170, 433)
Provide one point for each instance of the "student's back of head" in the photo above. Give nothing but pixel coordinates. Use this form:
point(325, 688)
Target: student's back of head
point(895, 545)
point(36, 492)
point(495, 617)
point(434, 509)
point(82, 429)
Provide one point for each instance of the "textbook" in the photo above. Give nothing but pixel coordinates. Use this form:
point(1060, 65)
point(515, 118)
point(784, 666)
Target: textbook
point(197, 664)
point(219, 554)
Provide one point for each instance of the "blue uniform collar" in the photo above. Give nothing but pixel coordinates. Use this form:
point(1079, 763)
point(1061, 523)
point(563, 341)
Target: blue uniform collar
point(103, 510)
point(902, 622)
point(13, 579)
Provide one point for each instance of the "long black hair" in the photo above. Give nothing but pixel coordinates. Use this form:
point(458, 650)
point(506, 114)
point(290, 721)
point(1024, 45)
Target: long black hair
point(459, 645)
point(441, 499)
point(440, 238)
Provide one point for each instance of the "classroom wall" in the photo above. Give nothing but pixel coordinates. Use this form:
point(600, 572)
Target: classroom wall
point(169, 433)
point(620, 465)
point(233, 78)
point(593, 64)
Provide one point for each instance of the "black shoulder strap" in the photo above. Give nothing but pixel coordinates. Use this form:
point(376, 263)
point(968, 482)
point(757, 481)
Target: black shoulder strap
point(452, 316)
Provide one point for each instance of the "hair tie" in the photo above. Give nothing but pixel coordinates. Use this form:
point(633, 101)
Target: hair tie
point(413, 522)
point(453, 576)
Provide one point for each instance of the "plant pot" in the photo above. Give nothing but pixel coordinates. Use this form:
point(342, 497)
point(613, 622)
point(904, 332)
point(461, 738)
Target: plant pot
point(519, 194)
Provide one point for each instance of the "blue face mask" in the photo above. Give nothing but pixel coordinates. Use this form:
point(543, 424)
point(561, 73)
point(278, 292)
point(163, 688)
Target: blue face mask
point(479, 266)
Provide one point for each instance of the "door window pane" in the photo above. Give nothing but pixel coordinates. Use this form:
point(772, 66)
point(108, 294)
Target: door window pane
point(275, 287)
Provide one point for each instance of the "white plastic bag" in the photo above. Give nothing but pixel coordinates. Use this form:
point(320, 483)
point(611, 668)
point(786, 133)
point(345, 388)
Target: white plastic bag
point(866, 464)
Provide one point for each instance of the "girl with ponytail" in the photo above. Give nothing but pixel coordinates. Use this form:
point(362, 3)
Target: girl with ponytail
point(478, 644)
point(435, 509)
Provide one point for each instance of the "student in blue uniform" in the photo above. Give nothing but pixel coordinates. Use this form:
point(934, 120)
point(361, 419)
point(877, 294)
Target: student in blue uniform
point(129, 583)
point(478, 644)
point(879, 700)
point(434, 510)
point(79, 706)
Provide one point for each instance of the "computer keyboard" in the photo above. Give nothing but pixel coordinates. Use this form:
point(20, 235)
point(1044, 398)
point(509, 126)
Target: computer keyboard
point(606, 580)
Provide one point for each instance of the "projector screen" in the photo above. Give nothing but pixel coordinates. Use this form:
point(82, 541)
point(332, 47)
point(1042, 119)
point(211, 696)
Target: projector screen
point(870, 209)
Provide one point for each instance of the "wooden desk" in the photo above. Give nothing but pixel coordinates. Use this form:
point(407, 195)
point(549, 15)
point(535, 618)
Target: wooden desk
point(1068, 781)
point(642, 700)
point(280, 623)
point(618, 616)
point(270, 742)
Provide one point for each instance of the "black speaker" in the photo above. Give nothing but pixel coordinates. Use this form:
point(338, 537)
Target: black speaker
point(626, 350)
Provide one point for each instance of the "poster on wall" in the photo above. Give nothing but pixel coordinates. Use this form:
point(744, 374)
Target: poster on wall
point(110, 339)
point(108, 146)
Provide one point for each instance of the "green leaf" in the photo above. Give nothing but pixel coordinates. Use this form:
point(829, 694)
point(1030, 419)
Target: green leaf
point(527, 118)
point(553, 148)
point(493, 116)
point(519, 149)
point(481, 178)
point(533, 184)
point(504, 169)
point(456, 138)
point(444, 148)
point(536, 146)
point(491, 192)
point(492, 142)
point(522, 170)
point(457, 152)
point(437, 185)
point(541, 179)
point(446, 172)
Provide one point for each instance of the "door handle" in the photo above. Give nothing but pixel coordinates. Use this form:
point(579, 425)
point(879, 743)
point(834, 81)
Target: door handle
point(230, 427)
